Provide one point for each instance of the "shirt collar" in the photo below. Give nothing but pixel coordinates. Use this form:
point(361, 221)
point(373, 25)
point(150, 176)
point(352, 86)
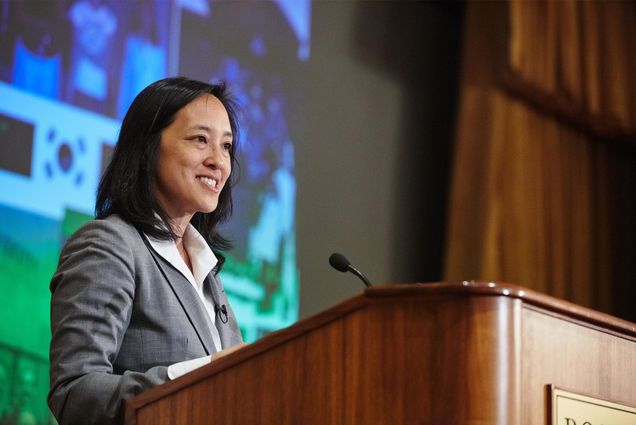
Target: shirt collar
point(201, 256)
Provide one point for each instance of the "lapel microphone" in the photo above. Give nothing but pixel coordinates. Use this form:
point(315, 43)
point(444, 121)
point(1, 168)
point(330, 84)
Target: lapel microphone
point(221, 311)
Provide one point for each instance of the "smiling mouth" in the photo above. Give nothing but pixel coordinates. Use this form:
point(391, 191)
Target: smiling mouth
point(209, 182)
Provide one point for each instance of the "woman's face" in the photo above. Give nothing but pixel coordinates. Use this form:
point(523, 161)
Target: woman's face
point(194, 159)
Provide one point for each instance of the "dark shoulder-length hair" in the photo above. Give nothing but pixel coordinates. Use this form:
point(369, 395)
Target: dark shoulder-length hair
point(127, 186)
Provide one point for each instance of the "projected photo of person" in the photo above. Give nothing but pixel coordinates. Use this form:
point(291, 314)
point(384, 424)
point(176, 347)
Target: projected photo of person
point(115, 43)
point(91, 61)
point(32, 48)
point(144, 57)
point(94, 54)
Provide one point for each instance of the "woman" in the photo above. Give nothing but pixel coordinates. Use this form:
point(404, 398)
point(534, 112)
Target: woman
point(136, 292)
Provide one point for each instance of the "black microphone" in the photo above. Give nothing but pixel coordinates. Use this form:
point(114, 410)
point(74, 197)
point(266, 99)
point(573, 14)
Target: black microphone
point(340, 263)
point(221, 311)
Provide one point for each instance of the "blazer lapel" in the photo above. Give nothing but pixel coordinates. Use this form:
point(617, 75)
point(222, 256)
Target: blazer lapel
point(229, 331)
point(188, 298)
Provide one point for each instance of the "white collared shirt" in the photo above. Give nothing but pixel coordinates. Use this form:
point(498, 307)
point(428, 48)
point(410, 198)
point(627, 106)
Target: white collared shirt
point(203, 261)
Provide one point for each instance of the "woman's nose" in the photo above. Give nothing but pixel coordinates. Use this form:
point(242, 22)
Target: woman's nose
point(215, 158)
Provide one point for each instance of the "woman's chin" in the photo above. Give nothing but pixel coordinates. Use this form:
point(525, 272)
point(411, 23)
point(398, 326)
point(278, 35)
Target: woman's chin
point(208, 208)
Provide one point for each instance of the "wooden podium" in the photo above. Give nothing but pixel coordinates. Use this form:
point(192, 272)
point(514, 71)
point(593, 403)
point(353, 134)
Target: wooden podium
point(442, 353)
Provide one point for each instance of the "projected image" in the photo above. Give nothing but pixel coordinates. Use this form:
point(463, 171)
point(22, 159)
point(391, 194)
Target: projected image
point(69, 69)
point(94, 54)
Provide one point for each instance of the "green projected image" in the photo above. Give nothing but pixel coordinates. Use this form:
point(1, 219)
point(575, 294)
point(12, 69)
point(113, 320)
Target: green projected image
point(68, 71)
point(29, 245)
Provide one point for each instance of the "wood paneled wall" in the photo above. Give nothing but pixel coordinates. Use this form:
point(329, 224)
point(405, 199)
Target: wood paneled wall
point(544, 180)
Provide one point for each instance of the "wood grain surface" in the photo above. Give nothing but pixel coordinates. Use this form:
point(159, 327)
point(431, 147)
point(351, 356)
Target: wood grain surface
point(445, 353)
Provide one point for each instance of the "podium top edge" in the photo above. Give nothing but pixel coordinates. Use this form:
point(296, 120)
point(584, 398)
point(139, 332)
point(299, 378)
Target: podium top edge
point(485, 288)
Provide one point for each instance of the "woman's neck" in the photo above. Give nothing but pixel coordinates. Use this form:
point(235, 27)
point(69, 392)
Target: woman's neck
point(183, 252)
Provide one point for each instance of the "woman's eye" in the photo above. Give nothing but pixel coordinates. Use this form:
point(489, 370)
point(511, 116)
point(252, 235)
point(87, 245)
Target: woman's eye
point(201, 139)
point(227, 146)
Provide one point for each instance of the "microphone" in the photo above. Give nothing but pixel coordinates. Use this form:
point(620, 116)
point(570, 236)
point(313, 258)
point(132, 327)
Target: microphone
point(221, 311)
point(342, 264)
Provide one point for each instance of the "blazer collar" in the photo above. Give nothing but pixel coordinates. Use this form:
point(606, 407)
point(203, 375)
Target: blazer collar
point(187, 297)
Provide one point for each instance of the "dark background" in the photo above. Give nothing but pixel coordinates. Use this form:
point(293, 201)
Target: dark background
point(374, 161)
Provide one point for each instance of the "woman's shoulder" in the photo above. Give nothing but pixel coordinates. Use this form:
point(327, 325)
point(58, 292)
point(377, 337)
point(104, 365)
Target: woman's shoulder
point(97, 247)
point(112, 229)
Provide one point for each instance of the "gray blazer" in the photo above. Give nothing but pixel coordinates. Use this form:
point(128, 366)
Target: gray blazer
point(120, 315)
